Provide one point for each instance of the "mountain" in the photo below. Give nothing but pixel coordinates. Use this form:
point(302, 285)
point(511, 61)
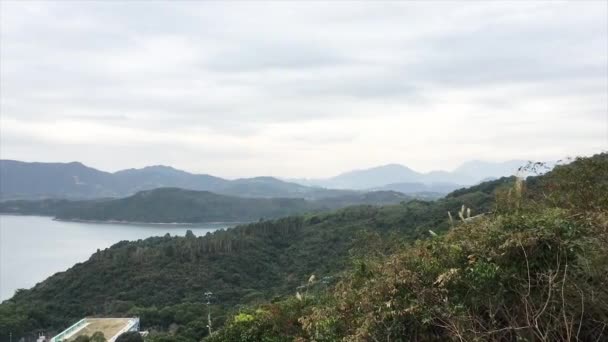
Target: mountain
point(476, 170)
point(371, 279)
point(163, 205)
point(374, 177)
point(439, 189)
point(173, 205)
point(273, 187)
point(158, 176)
point(397, 177)
point(21, 180)
point(32, 180)
point(540, 256)
point(162, 279)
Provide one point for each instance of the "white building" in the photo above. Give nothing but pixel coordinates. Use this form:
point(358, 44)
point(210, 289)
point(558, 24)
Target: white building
point(110, 327)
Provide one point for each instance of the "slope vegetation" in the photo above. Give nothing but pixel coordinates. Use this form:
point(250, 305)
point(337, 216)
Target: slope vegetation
point(162, 279)
point(170, 205)
point(535, 269)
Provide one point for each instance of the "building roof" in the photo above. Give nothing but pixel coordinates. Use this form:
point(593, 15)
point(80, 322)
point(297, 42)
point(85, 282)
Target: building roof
point(110, 327)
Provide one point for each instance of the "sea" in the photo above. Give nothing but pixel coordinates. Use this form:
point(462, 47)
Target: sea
point(32, 248)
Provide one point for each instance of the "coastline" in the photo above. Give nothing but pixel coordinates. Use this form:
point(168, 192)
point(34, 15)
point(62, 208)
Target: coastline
point(33, 242)
point(227, 224)
point(138, 223)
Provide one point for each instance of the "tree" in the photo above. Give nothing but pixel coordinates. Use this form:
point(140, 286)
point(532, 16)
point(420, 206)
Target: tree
point(98, 337)
point(130, 336)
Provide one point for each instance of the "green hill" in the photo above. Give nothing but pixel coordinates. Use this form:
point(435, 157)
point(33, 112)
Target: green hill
point(163, 279)
point(535, 269)
point(169, 205)
point(246, 264)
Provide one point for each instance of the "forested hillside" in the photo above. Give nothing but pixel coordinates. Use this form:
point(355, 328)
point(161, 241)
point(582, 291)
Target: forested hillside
point(534, 269)
point(163, 279)
point(165, 205)
point(170, 205)
point(534, 266)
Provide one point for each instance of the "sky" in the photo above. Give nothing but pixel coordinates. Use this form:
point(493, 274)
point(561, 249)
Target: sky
point(301, 89)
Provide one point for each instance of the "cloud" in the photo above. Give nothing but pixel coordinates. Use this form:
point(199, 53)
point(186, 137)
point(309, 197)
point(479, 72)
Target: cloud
point(301, 89)
point(262, 55)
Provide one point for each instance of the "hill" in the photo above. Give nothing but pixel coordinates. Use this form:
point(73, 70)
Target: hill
point(534, 269)
point(433, 190)
point(60, 180)
point(173, 205)
point(401, 178)
point(396, 287)
point(374, 177)
point(21, 180)
point(29, 181)
point(162, 279)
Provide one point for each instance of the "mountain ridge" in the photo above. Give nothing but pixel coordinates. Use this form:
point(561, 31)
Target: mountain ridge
point(175, 205)
point(244, 264)
point(162, 279)
point(381, 177)
point(75, 180)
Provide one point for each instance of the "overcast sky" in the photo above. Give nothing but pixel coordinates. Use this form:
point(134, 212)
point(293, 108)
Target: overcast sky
point(297, 89)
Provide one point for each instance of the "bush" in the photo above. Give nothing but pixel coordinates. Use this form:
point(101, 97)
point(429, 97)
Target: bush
point(130, 336)
point(534, 269)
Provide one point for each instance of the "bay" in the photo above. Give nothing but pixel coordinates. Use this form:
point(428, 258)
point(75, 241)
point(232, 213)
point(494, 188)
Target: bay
point(33, 248)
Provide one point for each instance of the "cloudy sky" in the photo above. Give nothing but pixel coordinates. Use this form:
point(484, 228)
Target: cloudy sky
point(299, 89)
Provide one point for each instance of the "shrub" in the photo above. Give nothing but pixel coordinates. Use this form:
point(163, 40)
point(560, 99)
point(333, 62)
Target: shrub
point(130, 336)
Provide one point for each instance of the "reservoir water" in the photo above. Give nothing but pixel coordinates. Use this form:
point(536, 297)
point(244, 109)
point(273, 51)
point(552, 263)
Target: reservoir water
point(33, 248)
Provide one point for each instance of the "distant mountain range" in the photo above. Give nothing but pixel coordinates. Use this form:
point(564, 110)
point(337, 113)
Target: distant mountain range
point(24, 180)
point(403, 179)
point(21, 180)
point(173, 205)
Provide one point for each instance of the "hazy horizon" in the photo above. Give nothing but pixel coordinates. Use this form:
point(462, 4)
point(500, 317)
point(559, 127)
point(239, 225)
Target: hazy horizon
point(301, 90)
point(288, 177)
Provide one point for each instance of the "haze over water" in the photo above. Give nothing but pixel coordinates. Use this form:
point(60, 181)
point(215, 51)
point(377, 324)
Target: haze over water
point(33, 248)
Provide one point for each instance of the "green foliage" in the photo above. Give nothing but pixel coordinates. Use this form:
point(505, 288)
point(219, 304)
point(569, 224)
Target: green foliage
point(270, 323)
point(532, 271)
point(243, 318)
point(131, 336)
point(581, 185)
point(168, 205)
point(162, 279)
point(505, 277)
point(96, 337)
point(165, 205)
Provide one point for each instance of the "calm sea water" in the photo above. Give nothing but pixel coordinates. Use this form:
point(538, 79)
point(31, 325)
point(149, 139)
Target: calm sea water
point(33, 248)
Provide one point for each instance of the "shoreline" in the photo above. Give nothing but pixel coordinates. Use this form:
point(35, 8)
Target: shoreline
point(137, 223)
point(227, 224)
point(34, 243)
